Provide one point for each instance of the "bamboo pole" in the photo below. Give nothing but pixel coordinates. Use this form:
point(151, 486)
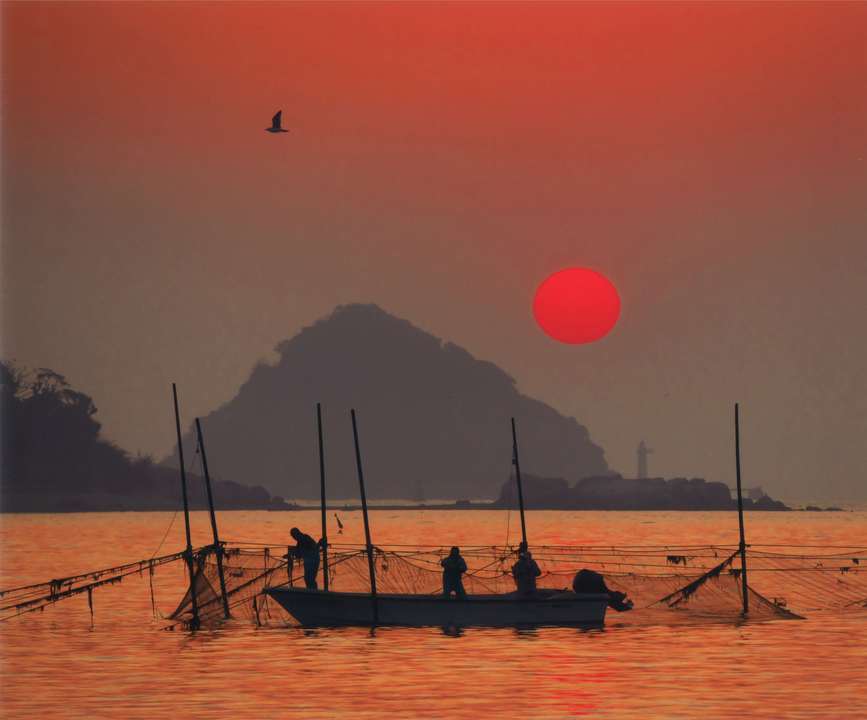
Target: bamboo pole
point(518, 477)
point(743, 544)
point(218, 549)
point(322, 498)
point(194, 623)
point(370, 563)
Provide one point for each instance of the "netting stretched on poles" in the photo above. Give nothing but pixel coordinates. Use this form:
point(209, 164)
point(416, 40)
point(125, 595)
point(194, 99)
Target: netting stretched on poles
point(26, 599)
point(695, 580)
point(691, 581)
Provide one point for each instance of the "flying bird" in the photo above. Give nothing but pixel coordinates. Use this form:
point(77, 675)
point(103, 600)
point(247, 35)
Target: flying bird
point(339, 524)
point(276, 123)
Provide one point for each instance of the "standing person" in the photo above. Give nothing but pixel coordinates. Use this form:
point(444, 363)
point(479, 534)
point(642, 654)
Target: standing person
point(453, 567)
point(306, 549)
point(525, 571)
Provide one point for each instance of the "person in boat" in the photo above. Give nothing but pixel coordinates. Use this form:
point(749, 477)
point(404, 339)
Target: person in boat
point(307, 550)
point(590, 581)
point(453, 567)
point(525, 571)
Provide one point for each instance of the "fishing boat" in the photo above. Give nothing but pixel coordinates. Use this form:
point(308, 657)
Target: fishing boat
point(313, 607)
point(318, 608)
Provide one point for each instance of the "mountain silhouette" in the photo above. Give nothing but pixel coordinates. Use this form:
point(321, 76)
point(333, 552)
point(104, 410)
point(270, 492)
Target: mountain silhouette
point(433, 420)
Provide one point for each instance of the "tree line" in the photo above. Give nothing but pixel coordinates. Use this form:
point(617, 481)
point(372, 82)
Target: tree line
point(55, 459)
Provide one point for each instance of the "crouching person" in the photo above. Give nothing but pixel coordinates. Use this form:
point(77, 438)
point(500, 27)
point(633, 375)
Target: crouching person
point(590, 581)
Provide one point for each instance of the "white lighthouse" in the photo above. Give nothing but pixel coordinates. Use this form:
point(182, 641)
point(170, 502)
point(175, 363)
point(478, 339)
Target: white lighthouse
point(643, 452)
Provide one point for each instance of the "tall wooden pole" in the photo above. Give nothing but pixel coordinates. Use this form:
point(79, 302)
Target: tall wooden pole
point(518, 477)
point(194, 623)
point(322, 497)
point(218, 549)
point(370, 564)
point(743, 543)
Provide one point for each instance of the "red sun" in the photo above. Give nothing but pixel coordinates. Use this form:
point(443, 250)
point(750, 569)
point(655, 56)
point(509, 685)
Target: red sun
point(576, 306)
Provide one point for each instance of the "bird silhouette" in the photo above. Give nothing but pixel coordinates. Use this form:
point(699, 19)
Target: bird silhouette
point(276, 123)
point(339, 525)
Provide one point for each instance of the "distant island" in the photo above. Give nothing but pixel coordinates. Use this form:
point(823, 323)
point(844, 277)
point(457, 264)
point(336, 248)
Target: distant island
point(54, 460)
point(615, 492)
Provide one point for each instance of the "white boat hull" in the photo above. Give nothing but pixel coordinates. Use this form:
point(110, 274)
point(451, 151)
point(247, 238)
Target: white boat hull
point(316, 608)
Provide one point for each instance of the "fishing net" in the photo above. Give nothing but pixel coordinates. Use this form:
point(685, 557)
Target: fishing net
point(35, 598)
point(673, 582)
point(810, 580)
point(247, 573)
point(693, 581)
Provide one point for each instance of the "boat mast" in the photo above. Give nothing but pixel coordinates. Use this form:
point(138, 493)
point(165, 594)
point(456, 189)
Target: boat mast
point(370, 564)
point(322, 497)
point(194, 623)
point(518, 477)
point(743, 544)
point(218, 549)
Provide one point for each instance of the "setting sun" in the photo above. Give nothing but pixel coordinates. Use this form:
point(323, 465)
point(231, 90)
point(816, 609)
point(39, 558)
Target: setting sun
point(576, 306)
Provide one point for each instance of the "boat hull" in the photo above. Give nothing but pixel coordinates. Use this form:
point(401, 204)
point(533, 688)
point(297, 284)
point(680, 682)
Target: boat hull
point(316, 608)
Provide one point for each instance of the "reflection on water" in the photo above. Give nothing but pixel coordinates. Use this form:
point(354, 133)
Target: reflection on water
point(453, 631)
point(127, 667)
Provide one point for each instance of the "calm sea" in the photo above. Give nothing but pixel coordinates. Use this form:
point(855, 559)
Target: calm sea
point(56, 665)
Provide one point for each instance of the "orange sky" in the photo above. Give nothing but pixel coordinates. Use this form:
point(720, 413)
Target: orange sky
point(443, 159)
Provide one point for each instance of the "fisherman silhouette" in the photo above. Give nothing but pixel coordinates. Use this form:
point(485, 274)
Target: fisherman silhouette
point(276, 123)
point(453, 567)
point(525, 571)
point(590, 581)
point(307, 549)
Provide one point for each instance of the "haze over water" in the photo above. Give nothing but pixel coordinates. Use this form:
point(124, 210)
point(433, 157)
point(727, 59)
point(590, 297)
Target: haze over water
point(127, 666)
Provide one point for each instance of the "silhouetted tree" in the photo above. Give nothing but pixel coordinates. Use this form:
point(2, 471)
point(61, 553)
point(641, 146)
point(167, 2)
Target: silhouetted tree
point(54, 459)
point(51, 438)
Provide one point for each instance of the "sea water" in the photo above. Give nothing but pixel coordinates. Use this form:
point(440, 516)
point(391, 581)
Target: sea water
point(55, 663)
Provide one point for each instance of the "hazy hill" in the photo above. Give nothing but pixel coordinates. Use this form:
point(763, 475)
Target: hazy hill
point(433, 420)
